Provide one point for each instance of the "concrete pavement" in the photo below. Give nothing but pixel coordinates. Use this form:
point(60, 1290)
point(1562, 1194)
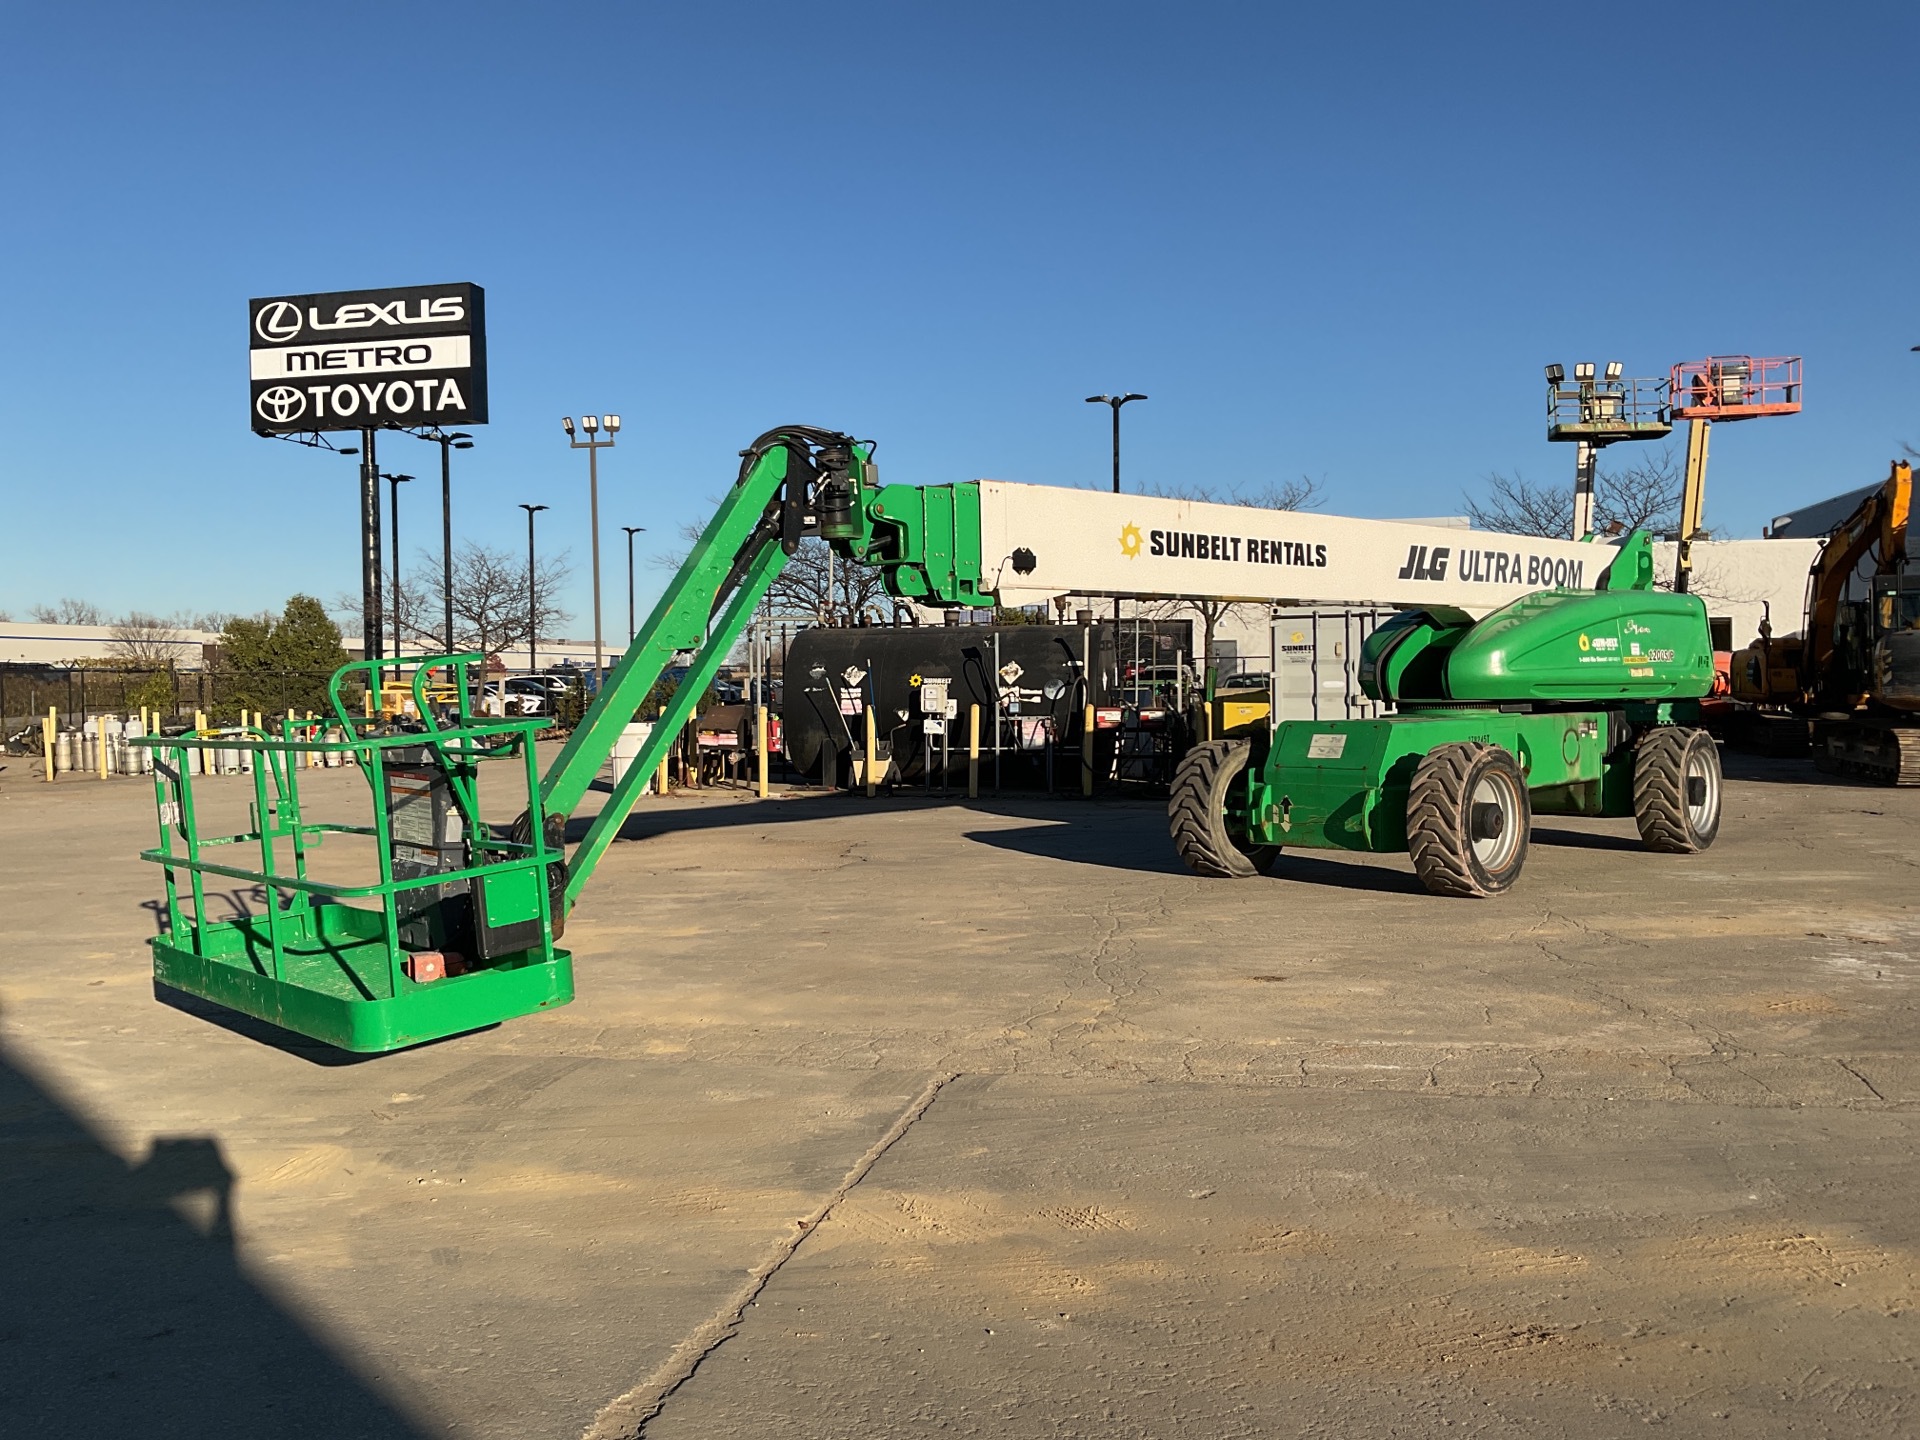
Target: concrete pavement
point(1082, 1145)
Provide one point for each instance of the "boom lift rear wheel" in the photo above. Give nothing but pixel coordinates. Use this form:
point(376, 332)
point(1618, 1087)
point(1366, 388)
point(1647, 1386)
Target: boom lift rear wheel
point(1197, 814)
point(1676, 790)
point(1468, 819)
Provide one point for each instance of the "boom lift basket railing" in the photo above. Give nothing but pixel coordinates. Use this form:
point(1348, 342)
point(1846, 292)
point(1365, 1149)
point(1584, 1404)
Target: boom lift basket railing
point(1604, 410)
point(455, 933)
point(1736, 387)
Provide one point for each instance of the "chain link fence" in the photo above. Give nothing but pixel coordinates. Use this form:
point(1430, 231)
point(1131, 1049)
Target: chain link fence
point(170, 696)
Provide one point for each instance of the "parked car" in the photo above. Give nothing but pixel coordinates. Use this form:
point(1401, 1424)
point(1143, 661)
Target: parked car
point(1261, 680)
point(514, 695)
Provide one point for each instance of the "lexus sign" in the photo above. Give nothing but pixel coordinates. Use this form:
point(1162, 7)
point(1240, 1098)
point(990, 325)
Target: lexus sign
point(357, 358)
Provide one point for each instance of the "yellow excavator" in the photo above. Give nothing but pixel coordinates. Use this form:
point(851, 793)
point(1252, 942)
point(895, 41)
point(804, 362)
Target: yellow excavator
point(1853, 673)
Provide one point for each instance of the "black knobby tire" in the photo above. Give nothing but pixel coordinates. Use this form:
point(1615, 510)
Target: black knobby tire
point(1676, 790)
point(1460, 846)
point(1197, 814)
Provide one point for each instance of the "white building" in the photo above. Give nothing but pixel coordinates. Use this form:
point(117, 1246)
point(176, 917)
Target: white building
point(29, 642)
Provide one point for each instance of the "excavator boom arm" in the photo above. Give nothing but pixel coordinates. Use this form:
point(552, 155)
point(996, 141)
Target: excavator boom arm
point(1880, 523)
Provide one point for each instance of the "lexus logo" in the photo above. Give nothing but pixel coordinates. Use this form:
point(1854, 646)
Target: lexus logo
point(280, 404)
point(278, 322)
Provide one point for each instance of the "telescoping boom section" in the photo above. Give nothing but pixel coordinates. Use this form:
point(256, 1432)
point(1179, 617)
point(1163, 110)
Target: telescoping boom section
point(455, 925)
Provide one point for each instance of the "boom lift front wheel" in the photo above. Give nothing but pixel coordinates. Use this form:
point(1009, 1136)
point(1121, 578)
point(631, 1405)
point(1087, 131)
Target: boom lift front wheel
point(1468, 819)
point(1211, 841)
point(1676, 790)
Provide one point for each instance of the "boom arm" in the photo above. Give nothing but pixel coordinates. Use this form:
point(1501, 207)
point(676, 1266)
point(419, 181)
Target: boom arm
point(973, 543)
point(1880, 523)
point(794, 481)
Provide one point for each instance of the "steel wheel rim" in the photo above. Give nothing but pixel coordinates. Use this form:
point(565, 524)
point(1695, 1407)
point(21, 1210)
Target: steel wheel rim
point(1701, 816)
point(1495, 852)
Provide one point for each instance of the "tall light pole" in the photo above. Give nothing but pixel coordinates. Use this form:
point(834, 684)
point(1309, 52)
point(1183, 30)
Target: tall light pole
point(448, 443)
point(632, 530)
point(593, 446)
point(372, 625)
point(533, 601)
point(1116, 401)
point(394, 483)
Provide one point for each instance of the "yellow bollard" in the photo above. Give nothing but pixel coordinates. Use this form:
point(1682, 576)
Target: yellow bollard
point(1086, 755)
point(973, 752)
point(760, 747)
point(871, 777)
point(661, 783)
point(51, 729)
point(101, 752)
point(199, 757)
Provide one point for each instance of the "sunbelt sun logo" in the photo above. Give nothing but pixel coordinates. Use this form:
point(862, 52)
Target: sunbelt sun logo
point(1130, 540)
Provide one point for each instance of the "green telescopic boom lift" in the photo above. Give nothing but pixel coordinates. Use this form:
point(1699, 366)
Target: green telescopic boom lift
point(1567, 700)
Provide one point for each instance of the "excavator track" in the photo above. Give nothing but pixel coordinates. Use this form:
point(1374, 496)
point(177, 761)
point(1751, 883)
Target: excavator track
point(1906, 762)
point(1880, 750)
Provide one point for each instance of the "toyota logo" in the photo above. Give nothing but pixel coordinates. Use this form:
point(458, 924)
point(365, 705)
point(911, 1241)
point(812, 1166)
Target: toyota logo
point(279, 321)
point(281, 404)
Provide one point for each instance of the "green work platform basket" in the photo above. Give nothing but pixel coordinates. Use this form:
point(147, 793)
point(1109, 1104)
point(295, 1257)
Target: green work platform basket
point(452, 930)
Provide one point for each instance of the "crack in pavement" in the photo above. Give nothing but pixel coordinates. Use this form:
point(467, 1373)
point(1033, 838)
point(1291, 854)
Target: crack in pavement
point(627, 1416)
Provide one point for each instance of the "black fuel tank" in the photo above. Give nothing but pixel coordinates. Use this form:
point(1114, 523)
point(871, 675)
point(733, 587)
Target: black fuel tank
point(824, 709)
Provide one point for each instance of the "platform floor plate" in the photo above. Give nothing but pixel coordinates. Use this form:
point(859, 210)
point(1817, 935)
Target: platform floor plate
point(335, 987)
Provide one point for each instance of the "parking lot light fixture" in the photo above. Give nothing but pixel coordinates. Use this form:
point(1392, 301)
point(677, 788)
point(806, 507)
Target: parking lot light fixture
point(1116, 401)
point(632, 530)
point(593, 445)
point(533, 603)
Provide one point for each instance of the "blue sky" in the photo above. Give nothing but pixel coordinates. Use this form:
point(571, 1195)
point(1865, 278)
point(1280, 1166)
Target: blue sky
point(1333, 241)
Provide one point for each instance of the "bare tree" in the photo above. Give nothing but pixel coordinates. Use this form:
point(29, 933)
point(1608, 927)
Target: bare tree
point(145, 640)
point(816, 585)
point(824, 587)
point(1301, 494)
point(1642, 495)
point(1514, 505)
point(489, 601)
point(69, 612)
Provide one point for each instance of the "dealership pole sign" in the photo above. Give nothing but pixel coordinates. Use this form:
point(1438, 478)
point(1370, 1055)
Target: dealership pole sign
point(360, 359)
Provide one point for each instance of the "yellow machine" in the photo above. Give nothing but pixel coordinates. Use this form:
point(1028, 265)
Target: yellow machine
point(1854, 670)
point(1240, 712)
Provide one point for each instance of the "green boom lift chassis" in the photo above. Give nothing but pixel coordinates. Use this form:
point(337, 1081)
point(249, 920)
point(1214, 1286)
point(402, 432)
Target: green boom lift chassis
point(1565, 702)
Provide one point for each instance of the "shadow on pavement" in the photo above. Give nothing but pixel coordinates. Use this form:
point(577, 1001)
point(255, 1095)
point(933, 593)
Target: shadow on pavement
point(1587, 839)
point(125, 1309)
point(288, 1042)
point(1796, 770)
point(651, 819)
point(1139, 843)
